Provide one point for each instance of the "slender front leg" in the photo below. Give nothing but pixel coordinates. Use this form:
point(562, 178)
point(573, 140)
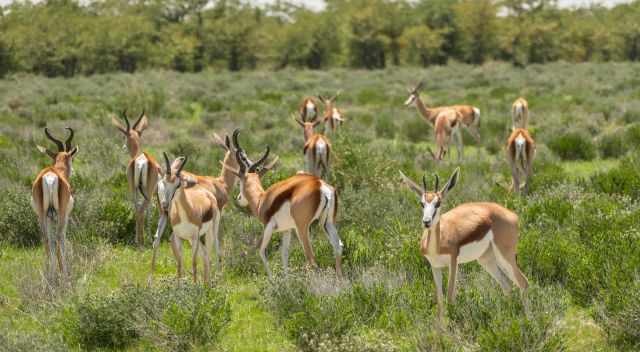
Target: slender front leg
point(529, 171)
point(266, 237)
point(437, 280)
point(195, 247)
point(215, 229)
point(176, 247)
point(284, 250)
point(162, 224)
point(453, 271)
point(459, 144)
point(206, 258)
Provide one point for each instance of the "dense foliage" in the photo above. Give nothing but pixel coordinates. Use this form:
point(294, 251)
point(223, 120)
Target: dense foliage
point(68, 37)
point(579, 230)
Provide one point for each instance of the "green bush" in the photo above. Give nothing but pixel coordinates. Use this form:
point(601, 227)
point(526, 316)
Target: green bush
point(573, 146)
point(18, 222)
point(622, 315)
point(179, 315)
point(623, 179)
point(612, 145)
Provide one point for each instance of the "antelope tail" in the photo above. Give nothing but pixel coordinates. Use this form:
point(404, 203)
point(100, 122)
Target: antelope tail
point(50, 202)
point(140, 175)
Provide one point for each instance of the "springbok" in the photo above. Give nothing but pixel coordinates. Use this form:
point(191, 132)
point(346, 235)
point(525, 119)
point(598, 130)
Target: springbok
point(52, 201)
point(447, 125)
point(486, 232)
point(332, 116)
point(220, 186)
point(521, 149)
point(317, 148)
point(193, 212)
point(469, 116)
point(308, 109)
point(520, 113)
point(293, 203)
point(142, 170)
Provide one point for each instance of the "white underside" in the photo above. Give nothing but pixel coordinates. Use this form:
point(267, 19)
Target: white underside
point(468, 253)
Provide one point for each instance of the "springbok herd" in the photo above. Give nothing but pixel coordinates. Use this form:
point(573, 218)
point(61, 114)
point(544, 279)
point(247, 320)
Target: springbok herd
point(483, 232)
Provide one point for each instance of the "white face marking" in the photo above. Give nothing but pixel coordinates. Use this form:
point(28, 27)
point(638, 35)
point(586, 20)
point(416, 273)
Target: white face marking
point(242, 201)
point(430, 211)
point(410, 100)
point(166, 192)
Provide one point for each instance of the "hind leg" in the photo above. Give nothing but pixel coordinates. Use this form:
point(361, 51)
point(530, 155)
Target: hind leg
point(195, 247)
point(284, 250)
point(507, 262)
point(336, 243)
point(266, 238)
point(459, 145)
point(489, 262)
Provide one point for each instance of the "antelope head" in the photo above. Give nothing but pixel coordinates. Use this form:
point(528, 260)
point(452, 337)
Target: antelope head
point(171, 180)
point(133, 134)
point(64, 152)
point(431, 201)
point(249, 172)
point(414, 93)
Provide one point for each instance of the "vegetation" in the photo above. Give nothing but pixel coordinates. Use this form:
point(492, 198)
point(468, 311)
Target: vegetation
point(192, 35)
point(579, 244)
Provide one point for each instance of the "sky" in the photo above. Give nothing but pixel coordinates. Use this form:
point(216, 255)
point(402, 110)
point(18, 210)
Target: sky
point(317, 4)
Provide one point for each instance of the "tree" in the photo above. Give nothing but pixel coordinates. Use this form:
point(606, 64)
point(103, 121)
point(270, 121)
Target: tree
point(422, 45)
point(476, 22)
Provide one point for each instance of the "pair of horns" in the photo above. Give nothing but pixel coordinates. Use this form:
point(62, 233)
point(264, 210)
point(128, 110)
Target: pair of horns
point(333, 98)
point(417, 87)
point(62, 147)
point(245, 164)
point(424, 182)
point(168, 163)
point(126, 119)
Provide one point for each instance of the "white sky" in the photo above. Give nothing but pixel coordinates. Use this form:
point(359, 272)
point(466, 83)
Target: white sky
point(317, 4)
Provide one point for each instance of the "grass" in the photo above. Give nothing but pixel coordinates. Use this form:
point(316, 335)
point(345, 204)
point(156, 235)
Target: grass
point(581, 215)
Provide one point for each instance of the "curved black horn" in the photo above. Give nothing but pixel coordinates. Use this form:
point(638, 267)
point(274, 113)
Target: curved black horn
point(167, 162)
point(236, 145)
point(424, 183)
point(437, 182)
point(258, 163)
point(67, 143)
point(242, 166)
point(184, 162)
point(419, 85)
point(54, 140)
point(126, 119)
point(135, 125)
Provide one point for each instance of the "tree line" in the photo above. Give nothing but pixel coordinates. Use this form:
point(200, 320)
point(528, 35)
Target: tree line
point(69, 37)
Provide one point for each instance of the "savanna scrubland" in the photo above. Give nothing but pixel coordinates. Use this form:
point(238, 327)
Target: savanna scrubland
point(579, 242)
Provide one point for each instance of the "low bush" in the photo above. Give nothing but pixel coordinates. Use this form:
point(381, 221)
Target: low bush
point(175, 315)
point(623, 179)
point(18, 222)
point(573, 146)
point(612, 145)
point(621, 315)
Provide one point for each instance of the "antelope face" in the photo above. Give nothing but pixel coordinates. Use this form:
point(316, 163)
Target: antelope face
point(167, 187)
point(412, 98)
point(430, 208)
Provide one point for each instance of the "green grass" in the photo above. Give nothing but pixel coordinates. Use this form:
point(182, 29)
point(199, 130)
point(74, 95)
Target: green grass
point(578, 228)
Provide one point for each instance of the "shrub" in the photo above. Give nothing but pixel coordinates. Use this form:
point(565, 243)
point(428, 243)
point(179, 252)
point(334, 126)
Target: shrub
point(18, 222)
point(623, 179)
point(179, 315)
point(612, 145)
point(573, 146)
point(621, 315)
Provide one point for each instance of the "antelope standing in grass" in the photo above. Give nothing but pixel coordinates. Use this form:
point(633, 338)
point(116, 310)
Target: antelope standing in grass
point(447, 125)
point(220, 186)
point(469, 116)
point(142, 170)
point(332, 116)
point(520, 113)
point(308, 109)
point(521, 149)
point(52, 201)
point(193, 212)
point(293, 203)
point(316, 150)
point(483, 232)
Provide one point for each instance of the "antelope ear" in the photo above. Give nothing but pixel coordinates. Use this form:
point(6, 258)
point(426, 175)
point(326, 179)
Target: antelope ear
point(46, 151)
point(316, 123)
point(118, 124)
point(189, 181)
point(73, 151)
point(453, 179)
point(321, 98)
point(412, 185)
point(300, 122)
point(142, 124)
